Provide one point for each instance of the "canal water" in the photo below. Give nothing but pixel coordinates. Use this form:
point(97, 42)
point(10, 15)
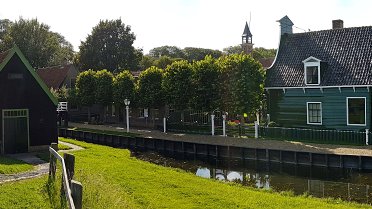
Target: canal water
point(346, 184)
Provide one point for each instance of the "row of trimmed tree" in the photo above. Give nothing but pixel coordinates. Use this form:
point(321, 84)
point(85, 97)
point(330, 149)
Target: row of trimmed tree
point(232, 83)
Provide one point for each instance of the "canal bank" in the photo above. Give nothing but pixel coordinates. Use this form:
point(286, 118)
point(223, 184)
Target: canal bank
point(240, 142)
point(332, 156)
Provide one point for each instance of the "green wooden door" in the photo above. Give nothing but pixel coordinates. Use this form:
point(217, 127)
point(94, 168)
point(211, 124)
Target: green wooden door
point(15, 131)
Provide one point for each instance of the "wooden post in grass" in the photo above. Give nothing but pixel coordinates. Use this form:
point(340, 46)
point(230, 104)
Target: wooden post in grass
point(77, 194)
point(70, 166)
point(53, 162)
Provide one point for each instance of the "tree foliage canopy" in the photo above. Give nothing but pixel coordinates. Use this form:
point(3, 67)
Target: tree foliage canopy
point(41, 46)
point(86, 87)
point(206, 84)
point(104, 80)
point(169, 51)
point(177, 84)
point(149, 88)
point(109, 46)
point(123, 87)
point(195, 54)
point(242, 83)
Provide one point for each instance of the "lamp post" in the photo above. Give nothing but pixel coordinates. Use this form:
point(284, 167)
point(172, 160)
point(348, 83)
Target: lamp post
point(127, 103)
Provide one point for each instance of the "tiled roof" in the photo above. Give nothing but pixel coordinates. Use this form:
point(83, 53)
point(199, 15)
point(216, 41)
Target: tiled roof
point(345, 54)
point(53, 76)
point(266, 62)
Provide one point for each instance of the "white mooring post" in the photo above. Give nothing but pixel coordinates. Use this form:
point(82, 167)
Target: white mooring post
point(165, 124)
point(212, 120)
point(224, 125)
point(256, 129)
point(367, 136)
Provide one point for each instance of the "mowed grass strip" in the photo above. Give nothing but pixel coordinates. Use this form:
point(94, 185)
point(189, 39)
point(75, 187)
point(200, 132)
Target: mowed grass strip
point(10, 165)
point(30, 193)
point(113, 179)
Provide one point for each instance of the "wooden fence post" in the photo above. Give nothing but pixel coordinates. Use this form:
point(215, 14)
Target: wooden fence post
point(77, 194)
point(53, 162)
point(70, 166)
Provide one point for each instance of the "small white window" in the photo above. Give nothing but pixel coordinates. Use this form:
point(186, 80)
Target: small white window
point(314, 113)
point(312, 71)
point(356, 111)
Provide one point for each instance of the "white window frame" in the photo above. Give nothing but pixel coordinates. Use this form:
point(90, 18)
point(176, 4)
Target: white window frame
point(307, 113)
point(347, 111)
point(308, 63)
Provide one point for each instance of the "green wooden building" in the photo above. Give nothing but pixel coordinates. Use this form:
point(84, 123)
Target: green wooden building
point(28, 118)
point(321, 79)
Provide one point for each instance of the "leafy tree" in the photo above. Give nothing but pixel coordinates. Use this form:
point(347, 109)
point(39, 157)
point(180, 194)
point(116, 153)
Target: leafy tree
point(233, 50)
point(72, 97)
point(164, 61)
point(86, 88)
point(177, 84)
point(149, 88)
point(242, 84)
point(146, 62)
point(104, 82)
point(206, 84)
point(195, 54)
point(123, 87)
point(110, 46)
point(169, 51)
point(261, 53)
point(258, 53)
point(41, 46)
point(65, 53)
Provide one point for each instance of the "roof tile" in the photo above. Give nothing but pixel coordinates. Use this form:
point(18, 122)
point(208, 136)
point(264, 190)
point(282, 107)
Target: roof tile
point(345, 54)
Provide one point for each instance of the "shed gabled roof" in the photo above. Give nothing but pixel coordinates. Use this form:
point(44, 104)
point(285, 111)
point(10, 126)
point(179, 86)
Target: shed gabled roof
point(7, 55)
point(54, 76)
point(345, 54)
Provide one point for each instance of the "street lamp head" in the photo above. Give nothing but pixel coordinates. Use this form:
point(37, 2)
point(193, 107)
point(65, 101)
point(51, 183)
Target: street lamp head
point(126, 102)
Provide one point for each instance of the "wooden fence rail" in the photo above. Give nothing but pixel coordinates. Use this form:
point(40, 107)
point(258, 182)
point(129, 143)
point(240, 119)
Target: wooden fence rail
point(73, 190)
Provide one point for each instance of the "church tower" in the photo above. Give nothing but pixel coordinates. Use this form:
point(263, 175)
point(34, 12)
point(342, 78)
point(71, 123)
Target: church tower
point(247, 45)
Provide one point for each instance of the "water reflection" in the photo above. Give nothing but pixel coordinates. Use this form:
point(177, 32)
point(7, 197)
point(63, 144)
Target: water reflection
point(347, 184)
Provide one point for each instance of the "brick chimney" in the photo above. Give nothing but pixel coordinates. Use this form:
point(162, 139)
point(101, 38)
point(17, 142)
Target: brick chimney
point(337, 24)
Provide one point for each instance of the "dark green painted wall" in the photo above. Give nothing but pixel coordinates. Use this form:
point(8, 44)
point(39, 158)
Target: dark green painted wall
point(289, 109)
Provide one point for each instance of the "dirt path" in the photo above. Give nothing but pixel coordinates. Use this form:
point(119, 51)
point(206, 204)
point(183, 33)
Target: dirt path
point(40, 166)
point(242, 142)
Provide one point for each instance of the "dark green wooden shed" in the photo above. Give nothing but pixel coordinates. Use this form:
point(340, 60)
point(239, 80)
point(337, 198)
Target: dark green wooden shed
point(28, 109)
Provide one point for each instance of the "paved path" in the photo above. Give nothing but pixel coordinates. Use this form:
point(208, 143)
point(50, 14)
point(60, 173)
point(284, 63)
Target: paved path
point(242, 142)
point(40, 166)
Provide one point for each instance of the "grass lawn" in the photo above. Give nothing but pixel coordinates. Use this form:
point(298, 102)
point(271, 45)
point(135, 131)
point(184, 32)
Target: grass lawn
point(113, 179)
point(30, 193)
point(10, 165)
point(118, 133)
point(63, 147)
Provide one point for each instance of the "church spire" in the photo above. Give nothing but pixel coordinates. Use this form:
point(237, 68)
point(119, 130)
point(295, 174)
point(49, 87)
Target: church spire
point(247, 44)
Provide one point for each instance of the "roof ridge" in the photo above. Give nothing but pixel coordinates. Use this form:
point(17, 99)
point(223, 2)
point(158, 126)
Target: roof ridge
point(327, 30)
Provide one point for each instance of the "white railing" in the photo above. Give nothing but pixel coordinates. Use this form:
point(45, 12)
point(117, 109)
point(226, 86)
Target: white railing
point(62, 106)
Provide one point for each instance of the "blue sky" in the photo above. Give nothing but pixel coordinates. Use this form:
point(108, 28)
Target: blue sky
point(213, 24)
